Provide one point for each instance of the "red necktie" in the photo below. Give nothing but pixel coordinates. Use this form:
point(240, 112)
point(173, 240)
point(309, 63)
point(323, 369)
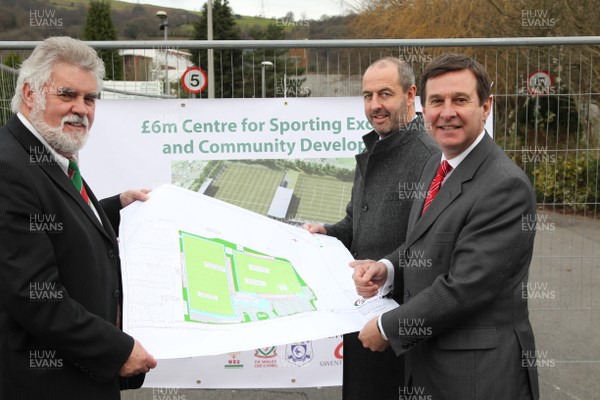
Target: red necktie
point(434, 188)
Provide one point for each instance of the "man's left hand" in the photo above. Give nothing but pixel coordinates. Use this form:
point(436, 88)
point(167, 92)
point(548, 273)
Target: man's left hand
point(371, 338)
point(130, 196)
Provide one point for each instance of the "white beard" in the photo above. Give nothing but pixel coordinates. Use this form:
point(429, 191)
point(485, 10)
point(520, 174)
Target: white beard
point(57, 138)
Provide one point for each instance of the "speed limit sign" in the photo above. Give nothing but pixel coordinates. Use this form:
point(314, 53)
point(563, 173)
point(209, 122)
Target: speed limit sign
point(540, 82)
point(194, 80)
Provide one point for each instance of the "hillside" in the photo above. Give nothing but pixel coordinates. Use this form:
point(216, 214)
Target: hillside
point(38, 19)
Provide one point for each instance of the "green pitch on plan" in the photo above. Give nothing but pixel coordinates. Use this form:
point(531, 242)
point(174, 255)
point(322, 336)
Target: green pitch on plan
point(224, 283)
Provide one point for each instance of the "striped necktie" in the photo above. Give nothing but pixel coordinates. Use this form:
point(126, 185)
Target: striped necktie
point(434, 188)
point(75, 177)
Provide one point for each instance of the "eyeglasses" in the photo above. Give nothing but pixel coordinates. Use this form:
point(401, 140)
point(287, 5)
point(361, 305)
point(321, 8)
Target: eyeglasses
point(67, 94)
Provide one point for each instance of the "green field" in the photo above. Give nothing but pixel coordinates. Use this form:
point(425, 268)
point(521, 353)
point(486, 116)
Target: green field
point(266, 276)
point(322, 198)
point(249, 186)
point(206, 276)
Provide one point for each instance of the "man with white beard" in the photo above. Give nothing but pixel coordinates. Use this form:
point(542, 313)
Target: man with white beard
point(60, 276)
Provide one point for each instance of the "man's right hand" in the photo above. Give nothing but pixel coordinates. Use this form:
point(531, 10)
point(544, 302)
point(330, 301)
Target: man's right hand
point(139, 361)
point(315, 228)
point(368, 276)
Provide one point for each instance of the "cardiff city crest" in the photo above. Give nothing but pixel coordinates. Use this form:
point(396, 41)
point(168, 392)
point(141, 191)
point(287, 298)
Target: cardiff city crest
point(299, 353)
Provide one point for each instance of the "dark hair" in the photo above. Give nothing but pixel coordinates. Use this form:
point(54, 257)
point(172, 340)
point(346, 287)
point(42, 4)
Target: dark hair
point(406, 76)
point(450, 62)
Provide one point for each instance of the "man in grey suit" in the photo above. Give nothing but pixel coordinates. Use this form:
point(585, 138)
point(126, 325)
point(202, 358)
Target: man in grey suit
point(375, 223)
point(464, 324)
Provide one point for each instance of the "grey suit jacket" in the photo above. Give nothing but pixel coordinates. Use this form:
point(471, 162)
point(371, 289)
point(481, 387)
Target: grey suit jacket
point(465, 264)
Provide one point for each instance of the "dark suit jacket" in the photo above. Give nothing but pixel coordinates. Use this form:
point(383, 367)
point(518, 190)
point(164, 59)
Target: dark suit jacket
point(60, 282)
point(465, 263)
point(375, 224)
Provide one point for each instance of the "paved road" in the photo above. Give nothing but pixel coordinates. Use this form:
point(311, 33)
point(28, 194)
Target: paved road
point(564, 302)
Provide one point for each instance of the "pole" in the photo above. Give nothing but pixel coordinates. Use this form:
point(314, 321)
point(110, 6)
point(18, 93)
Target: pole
point(211, 54)
point(167, 85)
point(263, 66)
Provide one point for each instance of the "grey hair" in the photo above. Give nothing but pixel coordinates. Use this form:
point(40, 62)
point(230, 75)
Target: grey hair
point(406, 76)
point(37, 69)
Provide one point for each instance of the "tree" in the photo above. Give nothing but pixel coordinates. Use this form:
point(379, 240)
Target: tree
point(236, 71)
point(509, 67)
point(227, 63)
point(99, 26)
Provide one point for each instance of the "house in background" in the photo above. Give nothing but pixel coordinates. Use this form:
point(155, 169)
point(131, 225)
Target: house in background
point(144, 72)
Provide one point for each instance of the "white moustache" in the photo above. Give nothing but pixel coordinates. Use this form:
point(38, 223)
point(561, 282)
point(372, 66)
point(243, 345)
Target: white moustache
point(76, 119)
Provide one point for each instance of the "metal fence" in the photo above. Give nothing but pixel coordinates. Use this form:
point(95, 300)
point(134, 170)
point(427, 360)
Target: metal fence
point(546, 118)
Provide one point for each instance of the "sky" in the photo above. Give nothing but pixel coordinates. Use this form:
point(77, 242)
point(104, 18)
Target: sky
point(309, 9)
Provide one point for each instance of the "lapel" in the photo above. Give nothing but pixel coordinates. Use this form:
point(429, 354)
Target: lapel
point(449, 191)
point(56, 174)
point(429, 171)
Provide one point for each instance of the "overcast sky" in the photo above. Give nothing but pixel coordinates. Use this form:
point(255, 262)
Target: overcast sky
point(309, 9)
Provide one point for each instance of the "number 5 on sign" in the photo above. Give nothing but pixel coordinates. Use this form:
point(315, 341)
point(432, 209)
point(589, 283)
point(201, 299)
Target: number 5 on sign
point(194, 80)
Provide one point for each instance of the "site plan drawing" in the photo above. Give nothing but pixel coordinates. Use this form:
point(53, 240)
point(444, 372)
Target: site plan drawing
point(204, 277)
point(227, 283)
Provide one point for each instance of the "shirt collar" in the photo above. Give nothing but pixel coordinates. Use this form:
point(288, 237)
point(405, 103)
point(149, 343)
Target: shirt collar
point(454, 162)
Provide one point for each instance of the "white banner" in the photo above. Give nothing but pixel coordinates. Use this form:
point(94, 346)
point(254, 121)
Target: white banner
point(133, 142)
point(147, 143)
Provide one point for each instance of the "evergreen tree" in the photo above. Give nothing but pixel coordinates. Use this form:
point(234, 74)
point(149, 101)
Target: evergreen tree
point(227, 63)
point(99, 26)
point(239, 74)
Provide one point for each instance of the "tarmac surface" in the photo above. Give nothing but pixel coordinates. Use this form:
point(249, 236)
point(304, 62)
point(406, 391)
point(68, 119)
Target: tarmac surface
point(564, 303)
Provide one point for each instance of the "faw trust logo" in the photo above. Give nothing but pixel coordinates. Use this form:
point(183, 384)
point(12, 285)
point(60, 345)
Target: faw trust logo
point(266, 357)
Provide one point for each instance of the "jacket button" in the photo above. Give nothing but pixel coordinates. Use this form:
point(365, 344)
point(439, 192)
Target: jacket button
point(365, 207)
point(355, 254)
point(117, 293)
point(406, 293)
point(111, 253)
